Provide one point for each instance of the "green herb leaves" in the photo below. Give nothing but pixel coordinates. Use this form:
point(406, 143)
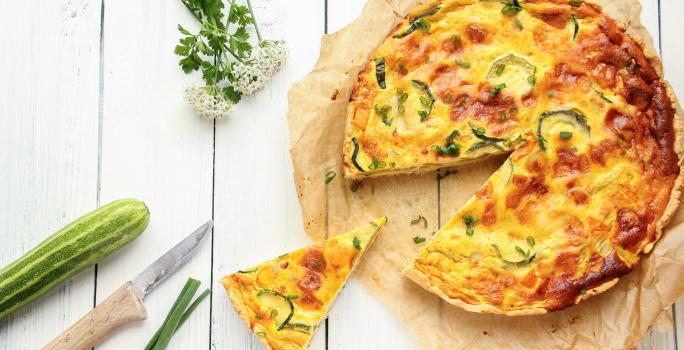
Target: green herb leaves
point(469, 221)
point(357, 243)
point(427, 100)
point(577, 27)
point(230, 65)
point(418, 239)
point(380, 72)
point(575, 3)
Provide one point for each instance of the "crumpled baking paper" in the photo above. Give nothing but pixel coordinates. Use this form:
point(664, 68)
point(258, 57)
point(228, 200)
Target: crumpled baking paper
point(616, 319)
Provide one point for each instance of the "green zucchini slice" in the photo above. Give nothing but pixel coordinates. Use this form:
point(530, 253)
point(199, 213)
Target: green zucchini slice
point(517, 73)
point(299, 327)
point(529, 257)
point(556, 125)
point(279, 307)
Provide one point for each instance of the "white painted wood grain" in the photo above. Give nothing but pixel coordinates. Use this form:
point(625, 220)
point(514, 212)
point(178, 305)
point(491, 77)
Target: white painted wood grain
point(48, 147)
point(256, 209)
point(671, 13)
point(359, 320)
point(154, 148)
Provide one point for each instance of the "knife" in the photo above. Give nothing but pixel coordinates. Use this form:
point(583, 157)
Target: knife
point(125, 304)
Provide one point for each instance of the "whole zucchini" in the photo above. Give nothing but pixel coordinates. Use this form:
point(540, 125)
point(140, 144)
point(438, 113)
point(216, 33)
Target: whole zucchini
point(70, 250)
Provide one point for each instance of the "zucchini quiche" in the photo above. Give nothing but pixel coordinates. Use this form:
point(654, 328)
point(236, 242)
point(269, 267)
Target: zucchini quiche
point(590, 125)
point(283, 300)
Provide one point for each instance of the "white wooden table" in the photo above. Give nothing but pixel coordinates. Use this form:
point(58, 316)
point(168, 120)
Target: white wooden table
point(91, 111)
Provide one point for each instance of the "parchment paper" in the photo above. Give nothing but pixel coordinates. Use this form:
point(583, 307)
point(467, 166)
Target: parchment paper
point(616, 319)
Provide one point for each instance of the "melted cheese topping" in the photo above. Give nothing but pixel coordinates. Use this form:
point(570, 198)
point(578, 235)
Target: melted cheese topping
point(308, 279)
point(585, 114)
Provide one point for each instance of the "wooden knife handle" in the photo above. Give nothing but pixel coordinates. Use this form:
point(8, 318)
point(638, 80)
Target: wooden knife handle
point(122, 307)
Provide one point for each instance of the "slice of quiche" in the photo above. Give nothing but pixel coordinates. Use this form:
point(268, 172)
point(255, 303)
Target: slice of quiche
point(284, 300)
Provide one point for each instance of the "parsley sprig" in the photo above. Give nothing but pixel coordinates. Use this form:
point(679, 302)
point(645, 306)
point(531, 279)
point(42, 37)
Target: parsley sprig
point(222, 50)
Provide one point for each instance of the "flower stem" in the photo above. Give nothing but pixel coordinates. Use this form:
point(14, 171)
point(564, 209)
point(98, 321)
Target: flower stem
point(233, 54)
point(256, 26)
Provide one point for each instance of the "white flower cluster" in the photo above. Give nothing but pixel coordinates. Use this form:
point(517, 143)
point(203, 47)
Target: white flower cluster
point(249, 77)
point(273, 56)
point(207, 105)
point(266, 61)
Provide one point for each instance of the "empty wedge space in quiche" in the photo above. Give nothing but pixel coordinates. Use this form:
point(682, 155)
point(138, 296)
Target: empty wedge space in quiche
point(284, 300)
point(590, 125)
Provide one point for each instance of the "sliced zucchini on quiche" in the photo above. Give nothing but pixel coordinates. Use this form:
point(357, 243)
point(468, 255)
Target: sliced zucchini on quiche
point(284, 300)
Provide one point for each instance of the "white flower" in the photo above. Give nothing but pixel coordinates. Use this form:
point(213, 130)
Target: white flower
point(249, 77)
point(207, 105)
point(272, 56)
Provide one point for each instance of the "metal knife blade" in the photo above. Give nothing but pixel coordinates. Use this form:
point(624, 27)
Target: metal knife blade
point(171, 260)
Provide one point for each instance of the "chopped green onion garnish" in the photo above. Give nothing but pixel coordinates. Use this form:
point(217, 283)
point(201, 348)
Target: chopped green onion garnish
point(565, 135)
point(576, 31)
point(376, 164)
point(418, 240)
point(575, 3)
point(511, 9)
point(469, 221)
point(518, 23)
point(357, 243)
point(497, 89)
point(418, 220)
point(531, 241)
point(463, 64)
point(329, 176)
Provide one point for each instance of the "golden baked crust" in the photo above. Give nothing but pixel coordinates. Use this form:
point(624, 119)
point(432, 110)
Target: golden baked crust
point(595, 169)
point(283, 300)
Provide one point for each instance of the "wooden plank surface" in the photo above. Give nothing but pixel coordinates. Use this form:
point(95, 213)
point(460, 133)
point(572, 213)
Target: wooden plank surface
point(153, 148)
point(256, 209)
point(49, 62)
point(78, 129)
